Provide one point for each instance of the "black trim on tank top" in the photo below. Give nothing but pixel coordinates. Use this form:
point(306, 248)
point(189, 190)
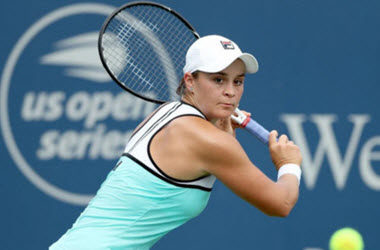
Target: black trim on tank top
point(154, 112)
point(163, 178)
point(194, 108)
point(156, 165)
point(156, 123)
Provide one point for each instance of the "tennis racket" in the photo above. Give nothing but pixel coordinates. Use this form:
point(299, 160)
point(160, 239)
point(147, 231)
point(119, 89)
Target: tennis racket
point(142, 45)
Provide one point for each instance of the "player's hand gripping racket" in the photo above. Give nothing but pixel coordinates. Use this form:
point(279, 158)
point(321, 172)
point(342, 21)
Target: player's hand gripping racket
point(251, 126)
point(143, 45)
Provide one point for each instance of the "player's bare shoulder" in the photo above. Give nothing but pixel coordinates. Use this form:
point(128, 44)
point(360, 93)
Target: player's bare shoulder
point(196, 128)
point(201, 136)
point(191, 129)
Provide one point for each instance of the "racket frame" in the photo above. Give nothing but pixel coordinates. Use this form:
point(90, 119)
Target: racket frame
point(105, 25)
point(251, 125)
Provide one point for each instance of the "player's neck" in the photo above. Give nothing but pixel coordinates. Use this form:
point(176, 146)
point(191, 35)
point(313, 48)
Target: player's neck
point(189, 99)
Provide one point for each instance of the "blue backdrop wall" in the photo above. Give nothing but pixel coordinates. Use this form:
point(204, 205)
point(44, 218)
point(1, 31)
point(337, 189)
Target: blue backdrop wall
point(63, 126)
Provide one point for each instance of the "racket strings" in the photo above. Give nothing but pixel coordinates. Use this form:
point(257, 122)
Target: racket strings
point(167, 31)
point(140, 54)
point(132, 60)
point(145, 49)
point(124, 34)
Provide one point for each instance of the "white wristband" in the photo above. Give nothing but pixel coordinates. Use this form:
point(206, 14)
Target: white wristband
point(290, 168)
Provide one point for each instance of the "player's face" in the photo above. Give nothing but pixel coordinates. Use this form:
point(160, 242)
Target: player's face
point(218, 94)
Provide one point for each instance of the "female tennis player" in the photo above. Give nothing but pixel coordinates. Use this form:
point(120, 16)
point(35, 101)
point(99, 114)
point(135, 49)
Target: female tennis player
point(170, 163)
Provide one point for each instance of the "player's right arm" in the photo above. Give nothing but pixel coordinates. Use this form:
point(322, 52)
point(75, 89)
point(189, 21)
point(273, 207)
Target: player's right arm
point(222, 155)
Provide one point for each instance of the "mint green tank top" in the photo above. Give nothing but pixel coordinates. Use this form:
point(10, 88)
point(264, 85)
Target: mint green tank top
point(138, 204)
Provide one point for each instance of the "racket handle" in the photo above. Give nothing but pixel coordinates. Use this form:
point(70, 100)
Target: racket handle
point(251, 126)
point(257, 130)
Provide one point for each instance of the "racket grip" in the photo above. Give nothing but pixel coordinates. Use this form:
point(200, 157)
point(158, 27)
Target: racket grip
point(257, 130)
point(251, 126)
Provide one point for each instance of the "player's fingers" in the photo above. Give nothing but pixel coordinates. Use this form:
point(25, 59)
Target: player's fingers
point(272, 137)
point(235, 123)
point(283, 139)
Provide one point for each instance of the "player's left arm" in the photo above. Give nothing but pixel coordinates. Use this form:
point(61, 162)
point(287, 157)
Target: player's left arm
point(222, 155)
